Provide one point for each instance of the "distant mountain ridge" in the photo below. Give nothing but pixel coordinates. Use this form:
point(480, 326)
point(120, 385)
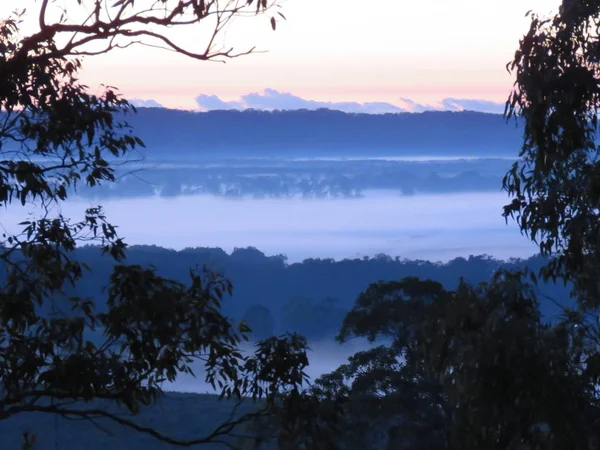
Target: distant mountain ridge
point(250, 133)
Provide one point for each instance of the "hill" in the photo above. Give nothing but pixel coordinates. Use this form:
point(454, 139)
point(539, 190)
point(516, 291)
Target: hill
point(290, 296)
point(302, 133)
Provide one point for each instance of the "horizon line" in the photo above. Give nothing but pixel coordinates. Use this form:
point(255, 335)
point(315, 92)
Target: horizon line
point(275, 110)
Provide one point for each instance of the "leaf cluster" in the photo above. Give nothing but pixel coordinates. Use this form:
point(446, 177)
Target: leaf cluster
point(466, 369)
point(55, 135)
point(555, 184)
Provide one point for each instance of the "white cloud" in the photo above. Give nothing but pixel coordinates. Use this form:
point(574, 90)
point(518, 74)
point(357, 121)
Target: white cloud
point(140, 103)
point(212, 102)
point(474, 105)
point(270, 99)
point(455, 104)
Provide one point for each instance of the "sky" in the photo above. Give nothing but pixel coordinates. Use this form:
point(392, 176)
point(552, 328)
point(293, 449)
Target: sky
point(388, 51)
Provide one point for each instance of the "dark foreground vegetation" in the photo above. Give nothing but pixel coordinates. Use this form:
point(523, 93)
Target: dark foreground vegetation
point(184, 416)
point(316, 298)
point(457, 365)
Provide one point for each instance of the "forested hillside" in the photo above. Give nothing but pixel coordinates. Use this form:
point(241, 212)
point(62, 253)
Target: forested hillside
point(304, 133)
point(310, 297)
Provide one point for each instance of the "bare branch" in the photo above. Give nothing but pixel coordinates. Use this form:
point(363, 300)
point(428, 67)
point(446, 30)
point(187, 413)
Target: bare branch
point(216, 436)
point(60, 135)
point(100, 26)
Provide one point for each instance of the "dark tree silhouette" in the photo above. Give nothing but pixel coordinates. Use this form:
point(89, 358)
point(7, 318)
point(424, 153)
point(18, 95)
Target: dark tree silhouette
point(555, 185)
point(508, 380)
point(55, 135)
point(470, 368)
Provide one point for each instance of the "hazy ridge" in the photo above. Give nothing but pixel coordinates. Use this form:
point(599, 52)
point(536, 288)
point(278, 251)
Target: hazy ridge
point(323, 132)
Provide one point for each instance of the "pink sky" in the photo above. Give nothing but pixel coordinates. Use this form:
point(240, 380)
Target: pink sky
point(337, 50)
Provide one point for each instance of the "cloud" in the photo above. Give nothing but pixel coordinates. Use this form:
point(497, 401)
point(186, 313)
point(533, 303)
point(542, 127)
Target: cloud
point(474, 105)
point(212, 102)
point(271, 99)
point(140, 103)
point(455, 104)
point(413, 106)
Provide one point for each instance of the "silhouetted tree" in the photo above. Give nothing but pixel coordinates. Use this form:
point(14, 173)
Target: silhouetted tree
point(470, 368)
point(388, 400)
point(508, 380)
point(54, 135)
point(554, 185)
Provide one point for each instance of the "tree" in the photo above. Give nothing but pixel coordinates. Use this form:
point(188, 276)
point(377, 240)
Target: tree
point(555, 184)
point(388, 401)
point(55, 135)
point(466, 369)
point(509, 379)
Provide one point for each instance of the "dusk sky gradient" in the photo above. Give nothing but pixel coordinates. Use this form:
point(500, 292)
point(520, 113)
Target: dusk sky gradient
point(336, 50)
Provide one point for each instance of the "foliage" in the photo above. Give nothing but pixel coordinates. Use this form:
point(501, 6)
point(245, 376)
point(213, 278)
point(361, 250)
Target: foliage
point(269, 282)
point(491, 373)
point(509, 378)
point(389, 401)
point(466, 369)
point(386, 403)
point(54, 135)
point(555, 186)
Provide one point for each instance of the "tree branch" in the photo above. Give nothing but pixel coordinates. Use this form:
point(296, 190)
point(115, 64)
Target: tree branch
point(120, 26)
point(215, 436)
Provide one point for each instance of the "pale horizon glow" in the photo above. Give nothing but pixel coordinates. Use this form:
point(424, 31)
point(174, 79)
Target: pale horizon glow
point(336, 50)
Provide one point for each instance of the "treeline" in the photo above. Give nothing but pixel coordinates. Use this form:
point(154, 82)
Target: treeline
point(174, 133)
point(314, 179)
point(310, 297)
